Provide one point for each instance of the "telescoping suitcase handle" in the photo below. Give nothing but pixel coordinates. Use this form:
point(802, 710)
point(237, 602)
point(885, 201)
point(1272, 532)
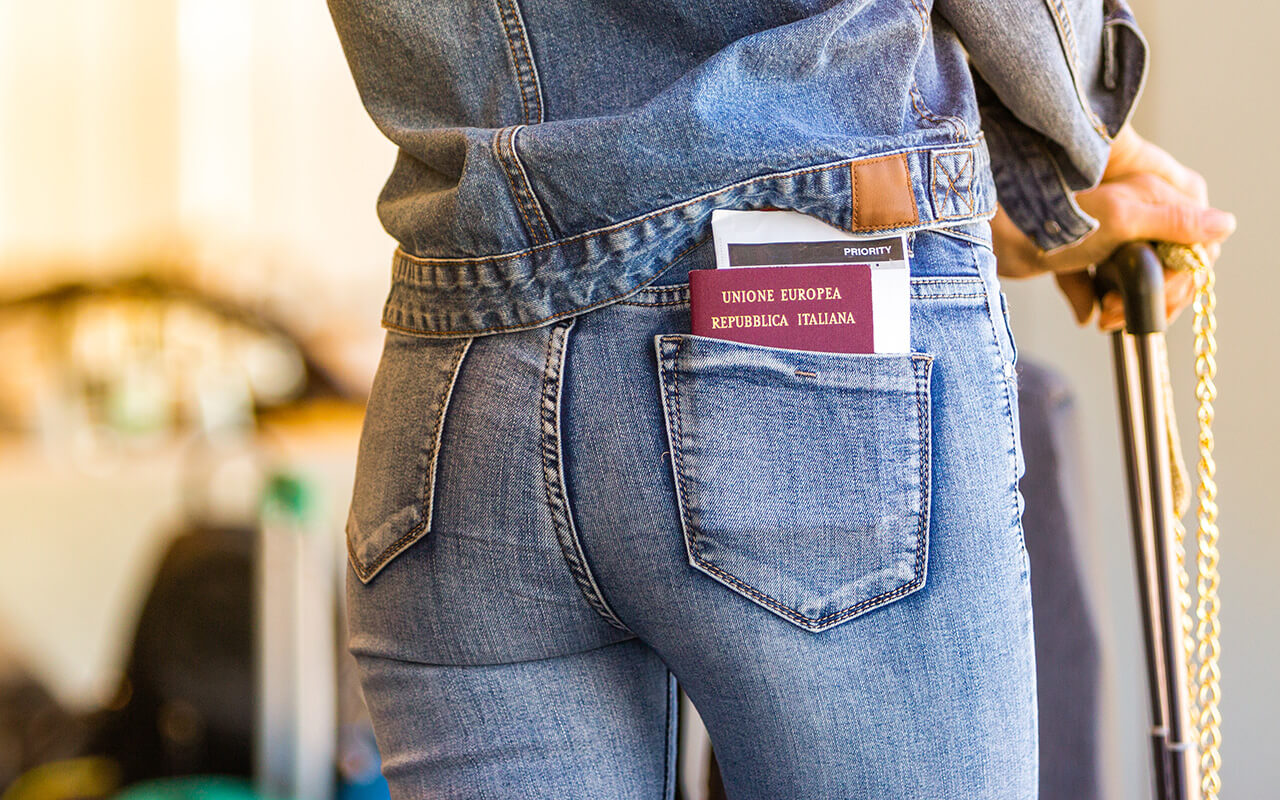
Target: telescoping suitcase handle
point(1137, 273)
point(1181, 657)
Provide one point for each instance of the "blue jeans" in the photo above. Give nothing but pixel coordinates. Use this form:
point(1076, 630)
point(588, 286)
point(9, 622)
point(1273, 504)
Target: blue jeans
point(825, 550)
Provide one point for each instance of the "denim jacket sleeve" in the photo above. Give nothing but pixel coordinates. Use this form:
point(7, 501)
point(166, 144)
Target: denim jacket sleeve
point(1055, 81)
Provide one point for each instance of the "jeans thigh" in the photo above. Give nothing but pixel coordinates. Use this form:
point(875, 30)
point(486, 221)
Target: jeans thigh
point(490, 667)
point(461, 546)
point(599, 724)
point(824, 660)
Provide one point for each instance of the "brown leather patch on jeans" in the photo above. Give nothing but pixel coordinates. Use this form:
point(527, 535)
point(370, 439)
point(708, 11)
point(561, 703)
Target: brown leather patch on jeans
point(882, 195)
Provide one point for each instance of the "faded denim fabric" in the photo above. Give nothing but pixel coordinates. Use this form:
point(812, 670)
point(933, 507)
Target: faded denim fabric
point(551, 526)
point(555, 155)
point(565, 502)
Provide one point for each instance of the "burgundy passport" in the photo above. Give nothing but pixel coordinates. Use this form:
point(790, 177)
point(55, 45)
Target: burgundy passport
point(824, 308)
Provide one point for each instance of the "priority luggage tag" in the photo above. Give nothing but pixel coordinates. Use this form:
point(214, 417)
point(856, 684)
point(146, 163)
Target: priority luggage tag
point(787, 279)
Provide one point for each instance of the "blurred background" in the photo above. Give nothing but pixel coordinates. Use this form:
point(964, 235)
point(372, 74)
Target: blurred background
point(191, 276)
point(1200, 103)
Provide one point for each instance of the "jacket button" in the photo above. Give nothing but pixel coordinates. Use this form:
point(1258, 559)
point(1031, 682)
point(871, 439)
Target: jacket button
point(1052, 227)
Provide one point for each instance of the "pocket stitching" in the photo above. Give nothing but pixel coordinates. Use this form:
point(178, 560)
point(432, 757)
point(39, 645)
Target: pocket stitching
point(366, 572)
point(922, 364)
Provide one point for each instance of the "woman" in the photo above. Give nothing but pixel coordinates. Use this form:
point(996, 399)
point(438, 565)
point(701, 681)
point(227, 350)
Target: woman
point(565, 502)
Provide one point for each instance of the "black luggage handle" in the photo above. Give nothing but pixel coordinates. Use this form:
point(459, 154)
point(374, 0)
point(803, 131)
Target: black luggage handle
point(1136, 272)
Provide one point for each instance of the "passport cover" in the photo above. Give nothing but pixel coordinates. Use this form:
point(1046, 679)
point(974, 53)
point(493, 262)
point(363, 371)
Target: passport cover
point(823, 308)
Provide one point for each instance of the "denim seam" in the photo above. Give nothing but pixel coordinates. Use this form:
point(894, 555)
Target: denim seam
point(965, 237)
point(684, 292)
point(960, 131)
point(527, 194)
point(623, 225)
point(1067, 35)
point(652, 305)
point(366, 572)
point(524, 659)
point(526, 72)
point(952, 279)
point(1005, 378)
point(660, 288)
point(521, 189)
point(671, 355)
point(917, 102)
point(924, 415)
point(672, 737)
point(554, 479)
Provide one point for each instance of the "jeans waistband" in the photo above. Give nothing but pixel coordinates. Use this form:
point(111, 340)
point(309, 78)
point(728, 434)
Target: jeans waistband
point(949, 184)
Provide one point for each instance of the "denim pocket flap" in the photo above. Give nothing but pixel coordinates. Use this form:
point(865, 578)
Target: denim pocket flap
point(802, 478)
point(399, 446)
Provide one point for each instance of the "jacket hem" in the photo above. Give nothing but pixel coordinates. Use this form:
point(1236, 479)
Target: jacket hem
point(535, 286)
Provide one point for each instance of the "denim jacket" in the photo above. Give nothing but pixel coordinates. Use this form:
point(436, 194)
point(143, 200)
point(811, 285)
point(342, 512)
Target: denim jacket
point(556, 155)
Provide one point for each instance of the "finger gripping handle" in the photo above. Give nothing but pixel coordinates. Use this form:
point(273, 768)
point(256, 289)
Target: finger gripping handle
point(1135, 271)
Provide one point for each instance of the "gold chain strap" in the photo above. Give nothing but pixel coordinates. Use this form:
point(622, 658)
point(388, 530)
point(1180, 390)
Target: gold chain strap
point(1201, 646)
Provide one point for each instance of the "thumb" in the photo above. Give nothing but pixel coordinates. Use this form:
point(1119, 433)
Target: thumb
point(1179, 222)
point(1140, 207)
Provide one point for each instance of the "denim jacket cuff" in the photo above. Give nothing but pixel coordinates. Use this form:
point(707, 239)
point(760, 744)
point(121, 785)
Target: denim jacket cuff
point(1030, 183)
point(1037, 177)
point(1111, 86)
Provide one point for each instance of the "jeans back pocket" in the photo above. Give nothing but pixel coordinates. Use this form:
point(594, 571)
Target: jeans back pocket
point(391, 501)
point(802, 478)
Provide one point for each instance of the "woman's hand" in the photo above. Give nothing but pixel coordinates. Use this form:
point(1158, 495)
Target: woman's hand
point(1144, 194)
